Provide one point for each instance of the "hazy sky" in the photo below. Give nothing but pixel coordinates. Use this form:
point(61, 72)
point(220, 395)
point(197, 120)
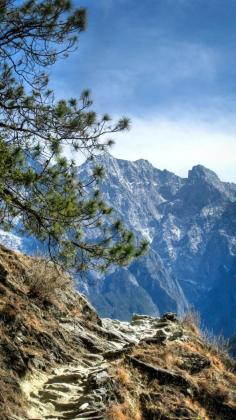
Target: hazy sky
point(170, 65)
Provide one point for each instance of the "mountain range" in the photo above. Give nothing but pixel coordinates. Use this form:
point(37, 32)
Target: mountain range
point(191, 227)
point(190, 224)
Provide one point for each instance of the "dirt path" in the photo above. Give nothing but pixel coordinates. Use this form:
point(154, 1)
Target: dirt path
point(80, 392)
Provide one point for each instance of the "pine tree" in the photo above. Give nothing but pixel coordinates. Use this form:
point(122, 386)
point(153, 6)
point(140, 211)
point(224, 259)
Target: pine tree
point(40, 191)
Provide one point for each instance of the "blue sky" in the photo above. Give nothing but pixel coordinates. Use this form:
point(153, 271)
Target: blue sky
point(170, 65)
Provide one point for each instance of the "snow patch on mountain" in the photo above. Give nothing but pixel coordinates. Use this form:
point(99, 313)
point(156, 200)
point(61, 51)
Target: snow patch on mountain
point(11, 241)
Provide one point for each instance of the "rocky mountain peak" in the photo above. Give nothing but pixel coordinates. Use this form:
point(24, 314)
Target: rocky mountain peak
point(143, 163)
point(200, 174)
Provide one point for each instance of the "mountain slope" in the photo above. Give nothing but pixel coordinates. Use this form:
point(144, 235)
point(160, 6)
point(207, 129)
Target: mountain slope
point(59, 360)
point(190, 223)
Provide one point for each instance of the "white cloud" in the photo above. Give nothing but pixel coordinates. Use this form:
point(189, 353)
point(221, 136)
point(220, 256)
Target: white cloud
point(178, 144)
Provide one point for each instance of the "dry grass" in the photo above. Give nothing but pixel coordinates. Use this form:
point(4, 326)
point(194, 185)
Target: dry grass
point(39, 275)
point(195, 406)
point(24, 284)
point(192, 347)
point(214, 343)
point(129, 408)
point(169, 359)
point(121, 375)
point(11, 401)
point(44, 278)
point(33, 323)
point(218, 389)
point(141, 396)
point(123, 412)
point(217, 344)
point(117, 412)
point(76, 311)
point(166, 357)
point(192, 320)
point(214, 381)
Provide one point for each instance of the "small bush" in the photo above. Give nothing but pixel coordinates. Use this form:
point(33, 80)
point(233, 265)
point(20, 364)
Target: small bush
point(44, 279)
point(192, 320)
point(216, 343)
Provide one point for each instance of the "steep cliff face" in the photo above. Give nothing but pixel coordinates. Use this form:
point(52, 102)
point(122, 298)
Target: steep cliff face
point(190, 224)
point(59, 360)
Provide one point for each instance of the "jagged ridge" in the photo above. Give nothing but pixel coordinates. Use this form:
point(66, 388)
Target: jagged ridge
point(191, 225)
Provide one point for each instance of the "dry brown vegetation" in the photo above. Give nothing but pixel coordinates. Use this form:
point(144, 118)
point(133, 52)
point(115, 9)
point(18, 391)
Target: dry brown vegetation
point(191, 319)
point(117, 412)
point(44, 279)
point(129, 409)
point(121, 374)
point(215, 343)
point(124, 411)
point(39, 277)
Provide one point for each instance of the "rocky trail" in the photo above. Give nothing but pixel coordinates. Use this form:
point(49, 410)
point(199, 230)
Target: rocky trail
point(83, 390)
point(67, 393)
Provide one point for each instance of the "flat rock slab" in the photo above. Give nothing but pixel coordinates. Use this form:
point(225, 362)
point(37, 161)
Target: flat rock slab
point(163, 376)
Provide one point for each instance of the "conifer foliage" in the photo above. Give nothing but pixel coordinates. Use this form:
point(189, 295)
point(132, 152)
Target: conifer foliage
point(40, 190)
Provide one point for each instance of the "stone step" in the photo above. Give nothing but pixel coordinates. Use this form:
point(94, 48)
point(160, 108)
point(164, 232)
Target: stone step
point(90, 418)
point(66, 406)
point(48, 396)
point(66, 378)
point(88, 415)
point(94, 356)
point(64, 388)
